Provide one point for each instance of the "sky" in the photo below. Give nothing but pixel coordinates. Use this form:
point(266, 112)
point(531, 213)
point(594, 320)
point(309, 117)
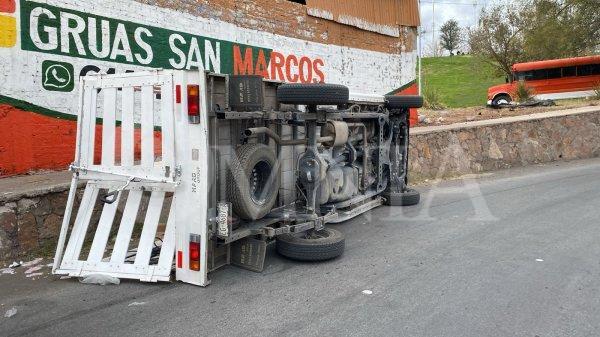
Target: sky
point(466, 12)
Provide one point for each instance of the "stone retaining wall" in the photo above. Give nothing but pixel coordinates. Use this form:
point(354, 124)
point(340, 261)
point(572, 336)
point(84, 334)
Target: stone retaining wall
point(30, 221)
point(475, 147)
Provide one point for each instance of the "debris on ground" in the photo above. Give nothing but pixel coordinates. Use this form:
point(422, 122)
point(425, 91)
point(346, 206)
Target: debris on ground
point(8, 271)
point(528, 104)
point(99, 279)
point(32, 275)
point(539, 260)
point(135, 304)
point(367, 292)
point(15, 264)
point(33, 269)
point(32, 263)
point(10, 312)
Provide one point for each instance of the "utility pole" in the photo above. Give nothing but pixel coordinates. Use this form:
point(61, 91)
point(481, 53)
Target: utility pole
point(433, 45)
point(420, 52)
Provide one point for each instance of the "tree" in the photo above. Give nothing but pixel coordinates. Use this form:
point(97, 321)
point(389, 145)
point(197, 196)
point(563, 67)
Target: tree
point(535, 30)
point(498, 39)
point(450, 35)
point(558, 29)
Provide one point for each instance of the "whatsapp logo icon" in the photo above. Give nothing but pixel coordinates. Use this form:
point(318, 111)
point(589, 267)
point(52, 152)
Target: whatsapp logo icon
point(58, 76)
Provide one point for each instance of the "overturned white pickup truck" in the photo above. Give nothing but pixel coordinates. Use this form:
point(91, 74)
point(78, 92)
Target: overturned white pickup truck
point(195, 171)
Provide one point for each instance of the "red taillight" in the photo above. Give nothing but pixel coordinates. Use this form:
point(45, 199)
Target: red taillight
point(178, 94)
point(195, 256)
point(193, 92)
point(179, 259)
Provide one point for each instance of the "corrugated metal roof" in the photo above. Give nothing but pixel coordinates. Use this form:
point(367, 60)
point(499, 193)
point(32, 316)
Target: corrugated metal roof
point(382, 16)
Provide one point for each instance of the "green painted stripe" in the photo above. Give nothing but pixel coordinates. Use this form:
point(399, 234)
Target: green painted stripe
point(29, 107)
point(23, 105)
point(402, 88)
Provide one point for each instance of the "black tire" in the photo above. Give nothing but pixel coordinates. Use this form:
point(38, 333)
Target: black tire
point(252, 200)
point(403, 102)
point(312, 246)
point(408, 198)
point(501, 100)
point(313, 94)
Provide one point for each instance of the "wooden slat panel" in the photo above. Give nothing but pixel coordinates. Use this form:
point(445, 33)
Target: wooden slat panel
point(82, 222)
point(147, 126)
point(127, 127)
point(108, 126)
point(103, 231)
point(167, 251)
point(167, 123)
point(149, 231)
point(88, 126)
point(132, 207)
point(83, 130)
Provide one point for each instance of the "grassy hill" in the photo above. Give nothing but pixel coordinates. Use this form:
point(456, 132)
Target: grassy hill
point(460, 81)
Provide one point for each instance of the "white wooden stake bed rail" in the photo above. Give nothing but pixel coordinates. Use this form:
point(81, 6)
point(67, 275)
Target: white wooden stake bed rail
point(120, 164)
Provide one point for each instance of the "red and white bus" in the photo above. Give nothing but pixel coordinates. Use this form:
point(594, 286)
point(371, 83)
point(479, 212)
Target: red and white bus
point(551, 79)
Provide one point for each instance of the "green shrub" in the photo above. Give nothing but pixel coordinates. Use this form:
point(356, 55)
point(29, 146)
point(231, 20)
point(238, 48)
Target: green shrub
point(596, 91)
point(523, 93)
point(433, 99)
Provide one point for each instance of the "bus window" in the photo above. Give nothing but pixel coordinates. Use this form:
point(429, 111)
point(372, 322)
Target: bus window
point(524, 75)
point(540, 74)
point(595, 69)
point(585, 70)
point(554, 73)
point(569, 71)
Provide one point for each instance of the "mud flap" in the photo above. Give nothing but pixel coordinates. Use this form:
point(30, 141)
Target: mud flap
point(249, 254)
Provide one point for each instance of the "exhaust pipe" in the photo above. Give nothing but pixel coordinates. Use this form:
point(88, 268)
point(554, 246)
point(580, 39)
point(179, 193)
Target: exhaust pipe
point(256, 132)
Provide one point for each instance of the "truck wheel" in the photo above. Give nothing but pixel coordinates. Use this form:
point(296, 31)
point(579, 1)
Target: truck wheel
point(313, 94)
point(312, 246)
point(253, 181)
point(501, 100)
point(408, 198)
point(403, 102)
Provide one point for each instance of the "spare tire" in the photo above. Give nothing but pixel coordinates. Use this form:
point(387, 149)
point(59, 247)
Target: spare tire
point(403, 102)
point(313, 94)
point(312, 245)
point(253, 181)
point(409, 197)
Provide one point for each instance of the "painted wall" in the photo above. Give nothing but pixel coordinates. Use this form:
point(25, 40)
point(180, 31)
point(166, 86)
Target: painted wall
point(45, 47)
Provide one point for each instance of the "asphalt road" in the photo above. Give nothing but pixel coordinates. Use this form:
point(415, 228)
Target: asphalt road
point(515, 253)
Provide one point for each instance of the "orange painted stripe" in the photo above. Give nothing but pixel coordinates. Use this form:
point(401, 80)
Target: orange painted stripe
point(31, 142)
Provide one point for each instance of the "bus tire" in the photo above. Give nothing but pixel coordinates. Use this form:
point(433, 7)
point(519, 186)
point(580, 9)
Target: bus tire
point(253, 181)
point(323, 245)
point(501, 100)
point(313, 94)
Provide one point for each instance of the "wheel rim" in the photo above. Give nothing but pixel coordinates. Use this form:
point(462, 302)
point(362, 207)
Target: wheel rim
point(502, 101)
point(258, 180)
point(314, 235)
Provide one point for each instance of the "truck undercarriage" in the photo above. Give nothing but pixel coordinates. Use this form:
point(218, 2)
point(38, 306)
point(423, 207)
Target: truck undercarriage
point(351, 156)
